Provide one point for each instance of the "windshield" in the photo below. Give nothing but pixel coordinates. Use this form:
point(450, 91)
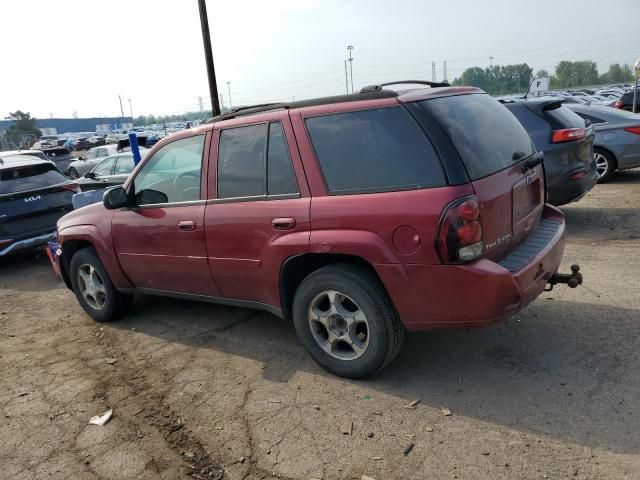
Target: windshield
point(487, 136)
point(29, 178)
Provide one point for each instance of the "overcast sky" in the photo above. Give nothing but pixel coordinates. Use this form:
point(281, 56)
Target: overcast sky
point(66, 55)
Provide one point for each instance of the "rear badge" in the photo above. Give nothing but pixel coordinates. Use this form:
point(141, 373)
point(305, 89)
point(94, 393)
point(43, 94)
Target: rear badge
point(32, 199)
point(499, 241)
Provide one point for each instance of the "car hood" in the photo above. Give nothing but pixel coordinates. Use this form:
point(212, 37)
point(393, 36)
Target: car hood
point(83, 216)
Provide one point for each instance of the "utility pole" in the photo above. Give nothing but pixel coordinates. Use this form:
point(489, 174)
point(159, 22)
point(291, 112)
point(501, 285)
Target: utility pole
point(445, 70)
point(208, 55)
point(346, 77)
point(130, 109)
point(433, 71)
point(229, 92)
point(121, 109)
point(221, 102)
point(350, 48)
point(200, 103)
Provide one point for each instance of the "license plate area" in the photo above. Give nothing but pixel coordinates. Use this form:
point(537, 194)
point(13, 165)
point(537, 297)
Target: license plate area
point(526, 195)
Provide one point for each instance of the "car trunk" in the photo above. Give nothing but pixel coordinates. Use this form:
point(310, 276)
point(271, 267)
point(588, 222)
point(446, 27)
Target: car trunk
point(501, 161)
point(32, 199)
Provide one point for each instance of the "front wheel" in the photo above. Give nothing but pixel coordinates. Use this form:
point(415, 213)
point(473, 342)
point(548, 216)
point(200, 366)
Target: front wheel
point(93, 288)
point(605, 164)
point(344, 318)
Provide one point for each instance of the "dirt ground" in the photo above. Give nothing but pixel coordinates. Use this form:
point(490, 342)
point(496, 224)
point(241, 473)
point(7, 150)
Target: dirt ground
point(202, 391)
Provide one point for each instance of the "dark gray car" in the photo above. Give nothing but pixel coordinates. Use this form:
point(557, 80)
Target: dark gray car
point(617, 142)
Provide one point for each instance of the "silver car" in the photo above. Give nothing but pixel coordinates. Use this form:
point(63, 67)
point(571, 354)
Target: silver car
point(90, 159)
point(617, 142)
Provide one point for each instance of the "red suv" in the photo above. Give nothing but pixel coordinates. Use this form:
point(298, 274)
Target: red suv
point(358, 217)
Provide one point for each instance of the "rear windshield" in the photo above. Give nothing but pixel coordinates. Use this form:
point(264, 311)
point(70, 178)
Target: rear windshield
point(374, 151)
point(487, 136)
point(563, 117)
point(29, 178)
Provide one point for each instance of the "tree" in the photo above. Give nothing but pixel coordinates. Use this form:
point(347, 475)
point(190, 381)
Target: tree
point(617, 74)
point(574, 74)
point(24, 129)
point(542, 73)
point(497, 79)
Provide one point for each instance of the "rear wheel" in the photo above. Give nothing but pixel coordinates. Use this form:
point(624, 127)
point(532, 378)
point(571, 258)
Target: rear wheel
point(345, 320)
point(605, 164)
point(93, 288)
point(73, 174)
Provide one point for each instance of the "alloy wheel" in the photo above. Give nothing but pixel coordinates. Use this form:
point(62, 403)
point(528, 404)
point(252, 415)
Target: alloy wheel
point(91, 286)
point(338, 325)
point(602, 164)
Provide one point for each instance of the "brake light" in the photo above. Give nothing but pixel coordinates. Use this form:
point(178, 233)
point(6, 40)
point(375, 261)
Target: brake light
point(567, 135)
point(72, 187)
point(635, 130)
point(460, 231)
point(618, 104)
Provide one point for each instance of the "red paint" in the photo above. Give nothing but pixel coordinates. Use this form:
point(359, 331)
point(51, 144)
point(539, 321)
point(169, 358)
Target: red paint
point(236, 249)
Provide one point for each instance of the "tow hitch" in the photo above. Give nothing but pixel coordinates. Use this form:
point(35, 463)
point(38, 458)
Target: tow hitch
point(572, 279)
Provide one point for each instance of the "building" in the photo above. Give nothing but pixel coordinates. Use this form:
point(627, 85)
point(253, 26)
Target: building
point(56, 126)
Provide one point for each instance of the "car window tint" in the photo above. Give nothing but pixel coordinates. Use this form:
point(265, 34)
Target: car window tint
point(487, 136)
point(374, 150)
point(91, 154)
point(105, 167)
point(280, 177)
point(29, 178)
point(241, 162)
point(174, 170)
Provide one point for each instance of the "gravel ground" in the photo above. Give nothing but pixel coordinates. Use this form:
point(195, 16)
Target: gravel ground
point(203, 391)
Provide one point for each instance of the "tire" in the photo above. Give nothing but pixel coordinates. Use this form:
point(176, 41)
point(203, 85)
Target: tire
point(104, 303)
point(357, 295)
point(605, 164)
point(73, 174)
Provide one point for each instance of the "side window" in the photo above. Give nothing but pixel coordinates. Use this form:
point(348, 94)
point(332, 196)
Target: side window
point(374, 151)
point(241, 161)
point(280, 177)
point(91, 154)
point(105, 167)
point(124, 164)
point(173, 172)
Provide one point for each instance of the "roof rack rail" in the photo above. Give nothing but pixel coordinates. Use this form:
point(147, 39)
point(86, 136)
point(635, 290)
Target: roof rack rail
point(378, 87)
point(247, 110)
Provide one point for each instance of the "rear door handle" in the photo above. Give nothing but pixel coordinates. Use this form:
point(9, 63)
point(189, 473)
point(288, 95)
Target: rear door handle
point(283, 223)
point(186, 225)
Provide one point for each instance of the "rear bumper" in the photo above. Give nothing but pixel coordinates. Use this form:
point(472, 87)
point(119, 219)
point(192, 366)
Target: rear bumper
point(568, 190)
point(27, 243)
point(429, 297)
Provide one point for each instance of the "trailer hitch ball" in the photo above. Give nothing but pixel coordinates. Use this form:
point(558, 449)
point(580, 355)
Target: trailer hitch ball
point(572, 279)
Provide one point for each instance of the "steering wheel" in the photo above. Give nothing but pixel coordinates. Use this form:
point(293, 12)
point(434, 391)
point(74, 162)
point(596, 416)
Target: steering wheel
point(188, 180)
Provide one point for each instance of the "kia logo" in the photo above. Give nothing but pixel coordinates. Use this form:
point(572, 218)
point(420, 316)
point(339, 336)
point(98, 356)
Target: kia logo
point(32, 199)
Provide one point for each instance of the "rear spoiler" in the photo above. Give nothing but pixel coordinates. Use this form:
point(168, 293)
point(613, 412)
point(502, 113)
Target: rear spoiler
point(540, 106)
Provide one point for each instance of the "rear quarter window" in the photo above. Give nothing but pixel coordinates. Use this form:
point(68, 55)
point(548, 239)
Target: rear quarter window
point(563, 117)
point(373, 151)
point(29, 178)
point(487, 136)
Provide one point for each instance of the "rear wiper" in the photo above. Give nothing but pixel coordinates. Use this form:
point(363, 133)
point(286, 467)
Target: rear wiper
point(531, 163)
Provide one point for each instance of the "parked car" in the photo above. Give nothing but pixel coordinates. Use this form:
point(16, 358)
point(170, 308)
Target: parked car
point(626, 101)
point(111, 171)
point(30, 153)
point(96, 141)
point(567, 143)
point(33, 196)
point(377, 216)
point(90, 159)
point(617, 141)
point(82, 143)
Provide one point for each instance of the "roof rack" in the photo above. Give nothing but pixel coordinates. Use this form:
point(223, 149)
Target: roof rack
point(378, 87)
point(264, 107)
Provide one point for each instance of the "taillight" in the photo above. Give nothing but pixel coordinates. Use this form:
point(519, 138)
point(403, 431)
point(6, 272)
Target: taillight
point(460, 231)
point(567, 135)
point(635, 130)
point(618, 104)
point(72, 187)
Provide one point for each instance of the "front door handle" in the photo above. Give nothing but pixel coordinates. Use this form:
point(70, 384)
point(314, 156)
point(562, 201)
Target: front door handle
point(186, 225)
point(283, 223)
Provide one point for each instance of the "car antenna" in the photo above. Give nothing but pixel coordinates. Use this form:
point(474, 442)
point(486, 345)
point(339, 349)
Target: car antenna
point(530, 85)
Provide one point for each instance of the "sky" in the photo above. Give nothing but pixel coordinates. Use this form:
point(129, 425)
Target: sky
point(61, 56)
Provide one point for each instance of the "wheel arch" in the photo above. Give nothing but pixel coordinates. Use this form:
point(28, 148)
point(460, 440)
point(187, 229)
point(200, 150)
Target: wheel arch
point(607, 150)
point(296, 268)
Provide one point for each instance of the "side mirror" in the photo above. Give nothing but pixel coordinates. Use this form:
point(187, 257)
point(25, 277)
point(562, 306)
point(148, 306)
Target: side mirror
point(115, 198)
point(89, 175)
point(150, 197)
